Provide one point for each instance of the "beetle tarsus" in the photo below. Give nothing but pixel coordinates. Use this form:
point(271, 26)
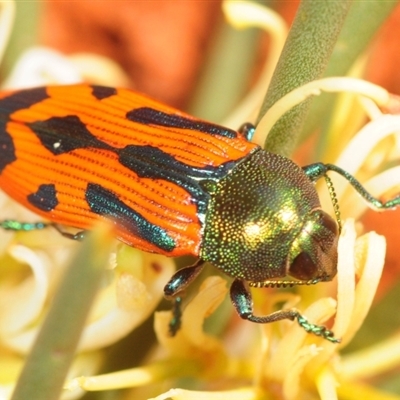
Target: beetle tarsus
point(317, 330)
point(12, 225)
point(176, 320)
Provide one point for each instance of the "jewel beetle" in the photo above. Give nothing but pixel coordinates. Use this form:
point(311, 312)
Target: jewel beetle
point(171, 184)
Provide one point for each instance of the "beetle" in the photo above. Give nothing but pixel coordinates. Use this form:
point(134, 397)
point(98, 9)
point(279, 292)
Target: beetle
point(171, 184)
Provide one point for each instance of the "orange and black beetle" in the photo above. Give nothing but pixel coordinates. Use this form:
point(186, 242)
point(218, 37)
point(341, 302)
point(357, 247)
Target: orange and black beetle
point(172, 184)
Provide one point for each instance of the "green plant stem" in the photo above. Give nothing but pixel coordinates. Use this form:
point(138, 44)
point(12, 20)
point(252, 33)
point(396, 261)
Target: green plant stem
point(224, 78)
point(47, 365)
point(362, 23)
point(306, 53)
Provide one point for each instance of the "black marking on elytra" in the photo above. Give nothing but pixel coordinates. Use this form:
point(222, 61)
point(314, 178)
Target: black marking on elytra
point(64, 134)
point(61, 135)
point(150, 116)
point(45, 198)
point(106, 203)
point(7, 148)
point(8, 105)
point(151, 162)
point(102, 92)
point(22, 99)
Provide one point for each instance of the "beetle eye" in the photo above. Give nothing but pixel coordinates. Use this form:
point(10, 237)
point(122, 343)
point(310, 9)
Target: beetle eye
point(329, 223)
point(303, 267)
point(314, 251)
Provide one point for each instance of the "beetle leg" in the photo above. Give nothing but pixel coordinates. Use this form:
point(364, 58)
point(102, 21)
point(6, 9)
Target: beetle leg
point(247, 130)
point(79, 236)
point(176, 320)
point(182, 278)
point(242, 301)
point(12, 225)
point(179, 281)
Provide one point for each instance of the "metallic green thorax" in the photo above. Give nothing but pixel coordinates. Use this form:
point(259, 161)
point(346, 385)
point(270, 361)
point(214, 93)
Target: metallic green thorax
point(264, 221)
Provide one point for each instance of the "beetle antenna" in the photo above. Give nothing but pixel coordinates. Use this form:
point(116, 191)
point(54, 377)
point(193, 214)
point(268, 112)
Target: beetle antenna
point(334, 200)
point(319, 170)
point(283, 284)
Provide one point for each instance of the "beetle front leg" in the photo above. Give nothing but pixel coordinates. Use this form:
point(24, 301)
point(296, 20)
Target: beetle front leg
point(242, 301)
point(79, 236)
point(179, 282)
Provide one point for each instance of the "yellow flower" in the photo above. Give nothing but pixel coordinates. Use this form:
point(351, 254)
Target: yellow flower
point(30, 272)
